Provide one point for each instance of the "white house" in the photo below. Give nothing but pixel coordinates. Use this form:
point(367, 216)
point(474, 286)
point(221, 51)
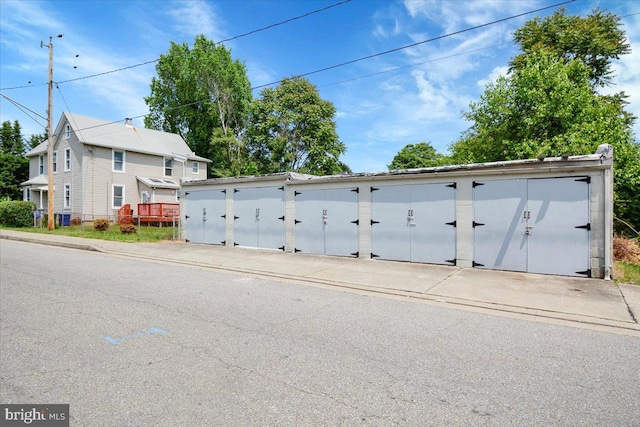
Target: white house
point(99, 166)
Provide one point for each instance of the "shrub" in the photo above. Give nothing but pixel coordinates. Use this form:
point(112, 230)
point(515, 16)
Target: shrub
point(17, 213)
point(101, 224)
point(127, 228)
point(75, 221)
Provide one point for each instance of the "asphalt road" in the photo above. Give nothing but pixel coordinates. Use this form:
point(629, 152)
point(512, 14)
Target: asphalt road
point(128, 342)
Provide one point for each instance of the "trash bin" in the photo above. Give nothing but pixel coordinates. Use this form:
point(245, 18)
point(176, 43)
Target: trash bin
point(37, 218)
point(64, 218)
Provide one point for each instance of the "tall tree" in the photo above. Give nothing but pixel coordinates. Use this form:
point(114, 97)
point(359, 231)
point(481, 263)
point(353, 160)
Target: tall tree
point(593, 40)
point(421, 155)
point(548, 105)
point(14, 167)
point(293, 129)
point(204, 95)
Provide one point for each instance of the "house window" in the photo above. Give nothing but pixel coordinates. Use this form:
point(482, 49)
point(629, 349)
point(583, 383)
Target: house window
point(41, 165)
point(67, 131)
point(27, 194)
point(144, 197)
point(118, 161)
point(195, 168)
point(168, 167)
point(67, 159)
point(55, 161)
point(118, 196)
point(67, 196)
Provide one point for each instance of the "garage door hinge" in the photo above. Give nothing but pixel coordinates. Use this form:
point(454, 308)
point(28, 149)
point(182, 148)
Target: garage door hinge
point(224, 242)
point(297, 221)
point(585, 272)
point(186, 193)
point(235, 217)
point(586, 226)
point(374, 189)
point(186, 217)
point(281, 188)
point(374, 256)
point(454, 223)
point(223, 216)
point(374, 222)
point(223, 191)
point(281, 248)
point(296, 250)
point(235, 190)
point(187, 240)
point(281, 218)
point(476, 183)
point(356, 222)
point(451, 261)
point(454, 185)
point(476, 264)
point(477, 224)
point(356, 190)
point(356, 254)
point(236, 244)
point(586, 179)
point(295, 193)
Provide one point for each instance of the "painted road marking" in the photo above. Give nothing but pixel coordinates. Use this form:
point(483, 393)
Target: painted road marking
point(152, 330)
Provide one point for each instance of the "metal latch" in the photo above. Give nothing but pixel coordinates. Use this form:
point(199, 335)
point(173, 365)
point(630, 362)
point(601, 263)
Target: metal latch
point(324, 216)
point(204, 214)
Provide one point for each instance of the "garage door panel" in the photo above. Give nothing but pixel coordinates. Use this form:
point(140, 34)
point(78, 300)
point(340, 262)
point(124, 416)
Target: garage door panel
point(557, 206)
point(245, 226)
point(432, 239)
point(499, 214)
point(271, 227)
point(391, 234)
point(340, 233)
point(215, 224)
point(194, 224)
point(310, 229)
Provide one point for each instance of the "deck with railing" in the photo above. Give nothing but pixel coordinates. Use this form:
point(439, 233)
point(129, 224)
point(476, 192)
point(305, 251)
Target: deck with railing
point(161, 213)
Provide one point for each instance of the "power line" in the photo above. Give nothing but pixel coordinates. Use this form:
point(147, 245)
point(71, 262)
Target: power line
point(286, 21)
point(414, 65)
point(25, 110)
point(455, 33)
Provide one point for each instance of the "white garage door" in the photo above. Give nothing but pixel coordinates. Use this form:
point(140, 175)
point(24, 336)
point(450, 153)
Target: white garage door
point(414, 223)
point(533, 225)
point(259, 217)
point(205, 216)
point(327, 222)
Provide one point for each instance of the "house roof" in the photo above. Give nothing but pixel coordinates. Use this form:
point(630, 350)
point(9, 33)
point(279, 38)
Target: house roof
point(102, 133)
point(37, 181)
point(158, 182)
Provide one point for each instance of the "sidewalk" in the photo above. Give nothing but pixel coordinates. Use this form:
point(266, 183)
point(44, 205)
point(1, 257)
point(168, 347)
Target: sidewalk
point(588, 303)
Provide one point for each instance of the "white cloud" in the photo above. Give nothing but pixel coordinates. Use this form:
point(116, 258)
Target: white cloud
point(193, 18)
point(493, 76)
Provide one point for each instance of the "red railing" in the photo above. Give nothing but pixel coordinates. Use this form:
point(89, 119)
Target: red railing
point(125, 215)
point(158, 212)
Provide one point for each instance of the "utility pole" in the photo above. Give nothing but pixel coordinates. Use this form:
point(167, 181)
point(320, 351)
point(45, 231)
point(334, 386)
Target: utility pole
point(50, 198)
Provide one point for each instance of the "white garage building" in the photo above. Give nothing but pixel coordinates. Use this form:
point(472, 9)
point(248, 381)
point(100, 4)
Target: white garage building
point(551, 215)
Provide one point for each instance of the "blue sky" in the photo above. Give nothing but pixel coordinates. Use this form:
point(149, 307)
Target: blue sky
point(405, 97)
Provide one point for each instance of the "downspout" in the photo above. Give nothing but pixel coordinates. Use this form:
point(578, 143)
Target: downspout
point(606, 152)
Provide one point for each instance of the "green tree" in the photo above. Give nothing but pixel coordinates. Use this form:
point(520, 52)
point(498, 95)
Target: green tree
point(421, 155)
point(593, 40)
point(292, 129)
point(548, 106)
point(204, 95)
point(14, 167)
